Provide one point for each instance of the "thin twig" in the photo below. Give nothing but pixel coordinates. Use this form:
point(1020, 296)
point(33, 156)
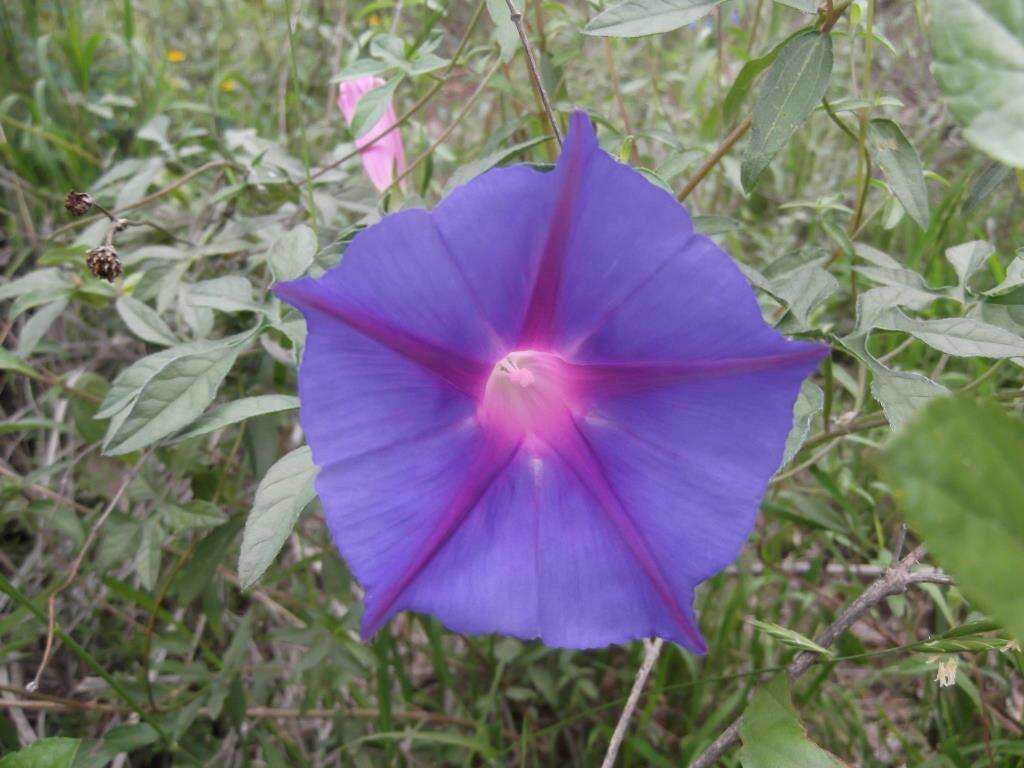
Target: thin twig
point(55, 704)
point(51, 603)
point(145, 200)
point(735, 135)
point(652, 649)
point(531, 64)
point(35, 489)
point(894, 581)
point(447, 131)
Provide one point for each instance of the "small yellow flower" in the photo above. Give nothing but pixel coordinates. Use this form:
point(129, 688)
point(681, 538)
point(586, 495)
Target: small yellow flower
point(1012, 646)
point(228, 85)
point(945, 676)
point(175, 56)
point(374, 20)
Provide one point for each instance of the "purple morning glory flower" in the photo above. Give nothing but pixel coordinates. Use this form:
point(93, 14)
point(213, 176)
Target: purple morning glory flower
point(548, 408)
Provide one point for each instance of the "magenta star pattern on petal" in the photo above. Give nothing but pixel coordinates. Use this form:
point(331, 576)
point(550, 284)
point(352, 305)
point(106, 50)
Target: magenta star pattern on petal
point(547, 409)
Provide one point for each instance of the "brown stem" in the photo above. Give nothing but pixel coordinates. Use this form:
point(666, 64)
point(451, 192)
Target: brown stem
point(531, 64)
point(147, 199)
point(735, 135)
point(61, 705)
point(447, 131)
point(51, 603)
point(893, 582)
point(652, 649)
point(41, 491)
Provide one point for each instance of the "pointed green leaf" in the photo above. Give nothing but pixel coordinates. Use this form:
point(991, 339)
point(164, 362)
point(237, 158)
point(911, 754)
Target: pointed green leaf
point(371, 107)
point(773, 736)
point(283, 493)
point(790, 637)
point(239, 410)
point(957, 336)
point(144, 322)
point(809, 403)
point(967, 259)
point(174, 396)
point(1014, 277)
point(55, 752)
point(900, 163)
point(792, 89)
point(633, 18)
point(504, 30)
point(292, 254)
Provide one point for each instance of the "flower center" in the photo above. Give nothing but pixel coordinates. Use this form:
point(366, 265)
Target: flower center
point(528, 394)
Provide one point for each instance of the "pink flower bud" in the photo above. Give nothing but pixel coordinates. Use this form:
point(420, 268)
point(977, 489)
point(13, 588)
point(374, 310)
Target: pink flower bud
point(383, 156)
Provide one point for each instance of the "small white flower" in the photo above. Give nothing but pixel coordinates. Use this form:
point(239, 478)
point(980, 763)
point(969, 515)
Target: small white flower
point(1011, 646)
point(945, 676)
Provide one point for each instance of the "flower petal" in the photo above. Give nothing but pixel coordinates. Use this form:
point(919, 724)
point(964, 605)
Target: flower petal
point(692, 461)
point(696, 306)
point(493, 225)
point(539, 558)
point(401, 272)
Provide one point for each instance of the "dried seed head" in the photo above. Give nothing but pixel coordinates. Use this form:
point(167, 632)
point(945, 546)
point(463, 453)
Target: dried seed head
point(78, 203)
point(103, 263)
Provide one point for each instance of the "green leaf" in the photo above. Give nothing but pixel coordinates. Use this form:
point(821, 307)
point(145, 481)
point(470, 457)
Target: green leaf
point(633, 18)
point(177, 391)
point(283, 493)
point(210, 553)
point(195, 514)
point(773, 736)
point(809, 403)
point(10, 362)
point(715, 225)
point(900, 163)
point(790, 637)
point(901, 394)
point(239, 410)
point(46, 753)
point(35, 327)
point(805, 6)
point(504, 30)
point(471, 170)
point(83, 412)
point(127, 384)
point(792, 89)
point(957, 476)
point(231, 293)
point(292, 253)
point(957, 336)
point(984, 185)
point(144, 322)
point(873, 304)
point(371, 107)
point(978, 61)
point(745, 80)
point(1014, 277)
point(802, 289)
point(40, 280)
point(968, 259)
point(147, 557)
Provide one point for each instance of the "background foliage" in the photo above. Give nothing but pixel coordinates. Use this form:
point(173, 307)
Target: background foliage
point(156, 494)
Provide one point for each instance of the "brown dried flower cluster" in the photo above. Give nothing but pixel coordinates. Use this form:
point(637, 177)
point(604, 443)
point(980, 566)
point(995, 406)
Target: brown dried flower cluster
point(78, 203)
point(104, 263)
